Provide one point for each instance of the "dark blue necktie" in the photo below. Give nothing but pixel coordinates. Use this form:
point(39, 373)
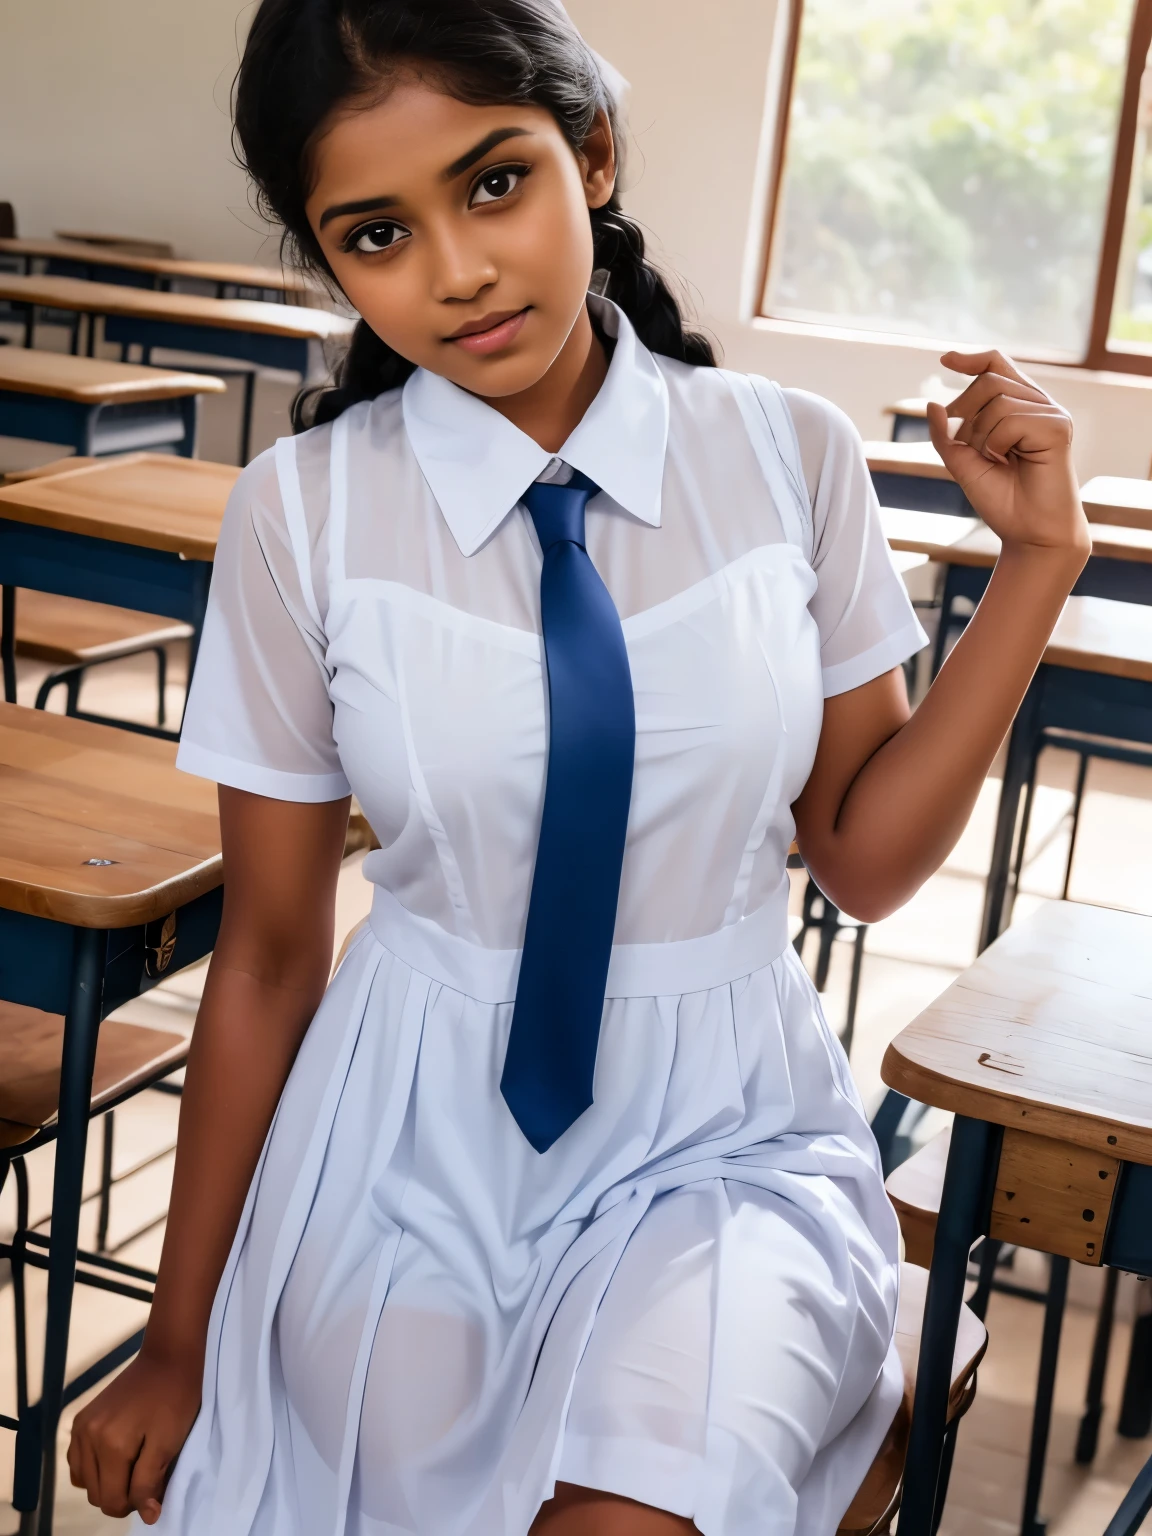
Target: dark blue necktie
point(547, 1079)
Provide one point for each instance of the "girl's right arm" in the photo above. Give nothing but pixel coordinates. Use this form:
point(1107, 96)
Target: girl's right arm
point(265, 981)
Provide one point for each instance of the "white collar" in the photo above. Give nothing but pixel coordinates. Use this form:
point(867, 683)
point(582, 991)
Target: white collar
point(479, 465)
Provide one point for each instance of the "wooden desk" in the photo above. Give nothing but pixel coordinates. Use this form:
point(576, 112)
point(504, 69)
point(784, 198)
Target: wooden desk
point(909, 419)
point(110, 880)
point(1094, 685)
point(1119, 501)
point(910, 475)
point(138, 532)
point(1120, 566)
point(81, 401)
point(266, 335)
point(1040, 1048)
point(107, 263)
point(116, 242)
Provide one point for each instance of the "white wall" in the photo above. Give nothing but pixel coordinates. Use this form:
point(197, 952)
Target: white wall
point(114, 114)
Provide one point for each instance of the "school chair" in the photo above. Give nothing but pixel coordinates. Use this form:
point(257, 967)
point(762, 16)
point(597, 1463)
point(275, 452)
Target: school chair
point(1038, 1050)
point(878, 1498)
point(110, 881)
point(73, 635)
point(823, 917)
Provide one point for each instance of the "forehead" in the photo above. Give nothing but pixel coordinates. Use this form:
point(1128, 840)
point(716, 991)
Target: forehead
point(404, 141)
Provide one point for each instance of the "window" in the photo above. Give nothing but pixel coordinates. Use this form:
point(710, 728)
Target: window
point(970, 170)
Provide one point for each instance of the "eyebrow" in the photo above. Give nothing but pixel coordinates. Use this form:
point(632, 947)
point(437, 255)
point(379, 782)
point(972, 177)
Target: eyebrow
point(457, 168)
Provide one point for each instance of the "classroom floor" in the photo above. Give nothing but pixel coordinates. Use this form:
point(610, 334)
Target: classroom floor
point(910, 958)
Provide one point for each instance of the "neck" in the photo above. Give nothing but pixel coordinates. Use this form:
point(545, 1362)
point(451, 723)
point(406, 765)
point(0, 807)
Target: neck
point(553, 408)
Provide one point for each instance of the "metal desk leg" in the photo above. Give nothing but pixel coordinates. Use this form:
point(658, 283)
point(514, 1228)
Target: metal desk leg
point(1137, 1502)
point(1023, 747)
point(1136, 1404)
point(1030, 1524)
point(8, 641)
point(36, 1440)
point(964, 1207)
point(1089, 1432)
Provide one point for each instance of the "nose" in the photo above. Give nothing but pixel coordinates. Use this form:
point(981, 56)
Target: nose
point(460, 266)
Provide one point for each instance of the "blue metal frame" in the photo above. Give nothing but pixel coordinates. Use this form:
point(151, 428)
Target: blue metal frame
point(84, 973)
point(107, 428)
point(965, 1210)
point(920, 493)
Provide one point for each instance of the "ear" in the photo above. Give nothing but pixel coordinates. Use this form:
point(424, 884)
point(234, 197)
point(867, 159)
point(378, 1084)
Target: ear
point(598, 162)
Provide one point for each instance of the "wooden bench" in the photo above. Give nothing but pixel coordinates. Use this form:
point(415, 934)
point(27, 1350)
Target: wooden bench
point(1119, 501)
point(98, 407)
point(878, 1497)
point(1040, 1051)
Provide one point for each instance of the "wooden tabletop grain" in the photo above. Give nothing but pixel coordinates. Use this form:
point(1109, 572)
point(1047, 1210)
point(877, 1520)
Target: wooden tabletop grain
point(92, 381)
point(73, 794)
point(155, 500)
point(1048, 1032)
point(179, 308)
point(241, 274)
point(915, 405)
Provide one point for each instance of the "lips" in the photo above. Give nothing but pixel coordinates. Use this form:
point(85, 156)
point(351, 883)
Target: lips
point(491, 333)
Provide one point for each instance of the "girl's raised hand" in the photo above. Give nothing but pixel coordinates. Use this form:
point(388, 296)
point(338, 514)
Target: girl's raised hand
point(1011, 454)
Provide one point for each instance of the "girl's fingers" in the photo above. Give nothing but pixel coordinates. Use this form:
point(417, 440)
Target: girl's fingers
point(146, 1490)
point(987, 362)
point(987, 387)
point(976, 431)
point(962, 462)
point(1029, 434)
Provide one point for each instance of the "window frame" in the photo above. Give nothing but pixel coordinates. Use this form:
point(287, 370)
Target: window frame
point(1098, 354)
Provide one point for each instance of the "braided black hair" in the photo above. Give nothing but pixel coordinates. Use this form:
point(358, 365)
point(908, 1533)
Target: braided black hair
point(303, 58)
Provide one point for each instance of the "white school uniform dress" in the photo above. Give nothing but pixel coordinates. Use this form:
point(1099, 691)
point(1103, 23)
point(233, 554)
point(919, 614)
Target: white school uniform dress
point(689, 1299)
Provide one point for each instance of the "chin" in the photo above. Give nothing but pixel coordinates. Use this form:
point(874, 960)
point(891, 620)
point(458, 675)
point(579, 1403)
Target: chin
point(508, 374)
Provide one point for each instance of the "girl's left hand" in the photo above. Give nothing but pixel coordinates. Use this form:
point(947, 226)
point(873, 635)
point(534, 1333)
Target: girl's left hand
point(1012, 454)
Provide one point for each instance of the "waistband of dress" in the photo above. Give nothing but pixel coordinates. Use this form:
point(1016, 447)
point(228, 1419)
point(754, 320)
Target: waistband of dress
point(635, 970)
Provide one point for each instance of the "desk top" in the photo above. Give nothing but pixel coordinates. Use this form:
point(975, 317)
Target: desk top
point(884, 458)
point(71, 791)
point(913, 406)
point(155, 500)
point(179, 308)
point(1048, 1031)
point(1118, 500)
point(92, 381)
point(102, 237)
point(1098, 634)
point(968, 541)
point(242, 274)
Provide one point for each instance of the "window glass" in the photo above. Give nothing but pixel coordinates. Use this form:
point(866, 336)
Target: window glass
point(1131, 328)
point(947, 168)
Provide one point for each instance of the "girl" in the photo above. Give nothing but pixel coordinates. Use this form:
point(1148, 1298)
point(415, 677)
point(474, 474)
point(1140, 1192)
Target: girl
point(568, 1218)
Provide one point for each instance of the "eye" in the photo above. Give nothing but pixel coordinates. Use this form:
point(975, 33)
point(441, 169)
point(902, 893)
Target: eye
point(380, 235)
point(497, 184)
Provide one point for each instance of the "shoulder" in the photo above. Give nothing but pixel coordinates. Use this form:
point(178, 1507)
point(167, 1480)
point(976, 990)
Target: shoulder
point(830, 445)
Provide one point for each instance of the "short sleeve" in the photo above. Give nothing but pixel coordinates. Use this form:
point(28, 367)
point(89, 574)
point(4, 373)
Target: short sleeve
point(862, 609)
point(259, 717)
